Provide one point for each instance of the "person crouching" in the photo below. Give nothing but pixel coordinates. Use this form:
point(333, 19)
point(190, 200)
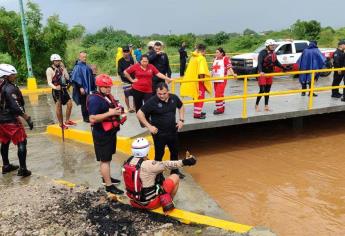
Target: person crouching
point(144, 180)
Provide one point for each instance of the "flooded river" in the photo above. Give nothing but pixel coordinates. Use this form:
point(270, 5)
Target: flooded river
point(271, 174)
point(290, 180)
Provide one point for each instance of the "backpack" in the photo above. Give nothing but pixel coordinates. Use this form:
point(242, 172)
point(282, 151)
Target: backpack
point(131, 177)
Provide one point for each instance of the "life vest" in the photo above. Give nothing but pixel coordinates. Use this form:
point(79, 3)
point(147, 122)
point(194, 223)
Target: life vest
point(270, 60)
point(133, 184)
point(113, 121)
point(57, 78)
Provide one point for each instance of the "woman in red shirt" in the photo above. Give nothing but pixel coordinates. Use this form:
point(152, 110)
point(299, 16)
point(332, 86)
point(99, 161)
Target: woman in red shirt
point(142, 84)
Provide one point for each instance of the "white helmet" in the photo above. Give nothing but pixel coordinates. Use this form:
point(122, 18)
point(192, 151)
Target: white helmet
point(269, 42)
point(6, 69)
point(55, 57)
point(140, 147)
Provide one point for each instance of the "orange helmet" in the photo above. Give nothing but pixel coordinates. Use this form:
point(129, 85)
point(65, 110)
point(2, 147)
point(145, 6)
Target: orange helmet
point(104, 80)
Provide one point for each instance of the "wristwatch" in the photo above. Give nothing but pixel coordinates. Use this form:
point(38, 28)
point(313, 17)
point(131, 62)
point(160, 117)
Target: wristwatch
point(182, 120)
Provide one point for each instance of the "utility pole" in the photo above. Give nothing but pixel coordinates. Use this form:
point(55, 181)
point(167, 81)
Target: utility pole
point(31, 80)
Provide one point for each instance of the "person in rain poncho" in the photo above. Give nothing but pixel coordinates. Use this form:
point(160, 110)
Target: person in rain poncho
point(197, 69)
point(83, 84)
point(311, 59)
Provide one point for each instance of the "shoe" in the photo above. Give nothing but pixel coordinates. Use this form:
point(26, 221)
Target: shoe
point(203, 113)
point(131, 110)
point(201, 116)
point(343, 99)
point(218, 112)
point(177, 171)
point(336, 95)
point(63, 126)
point(303, 94)
point(314, 95)
point(9, 168)
point(112, 189)
point(23, 172)
point(70, 123)
point(113, 181)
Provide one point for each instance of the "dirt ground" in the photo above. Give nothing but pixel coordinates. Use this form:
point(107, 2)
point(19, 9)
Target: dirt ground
point(45, 208)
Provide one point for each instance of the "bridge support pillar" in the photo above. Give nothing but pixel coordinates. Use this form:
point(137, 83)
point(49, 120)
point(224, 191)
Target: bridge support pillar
point(297, 123)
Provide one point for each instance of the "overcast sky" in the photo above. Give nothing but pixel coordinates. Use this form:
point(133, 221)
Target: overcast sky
point(184, 16)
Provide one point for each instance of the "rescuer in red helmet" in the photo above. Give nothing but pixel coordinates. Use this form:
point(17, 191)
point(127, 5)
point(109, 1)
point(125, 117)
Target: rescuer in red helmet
point(106, 115)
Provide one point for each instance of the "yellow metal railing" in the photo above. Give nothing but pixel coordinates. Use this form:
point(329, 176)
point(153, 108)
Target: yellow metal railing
point(207, 54)
point(245, 94)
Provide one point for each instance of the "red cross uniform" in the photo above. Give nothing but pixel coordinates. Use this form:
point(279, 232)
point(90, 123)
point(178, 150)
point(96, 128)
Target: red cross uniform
point(220, 68)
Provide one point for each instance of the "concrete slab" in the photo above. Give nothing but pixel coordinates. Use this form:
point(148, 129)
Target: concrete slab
point(283, 107)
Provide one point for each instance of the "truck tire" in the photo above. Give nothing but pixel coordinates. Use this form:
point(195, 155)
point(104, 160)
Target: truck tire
point(328, 65)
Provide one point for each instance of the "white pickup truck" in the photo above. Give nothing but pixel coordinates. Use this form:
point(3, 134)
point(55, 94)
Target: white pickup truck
point(288, 52)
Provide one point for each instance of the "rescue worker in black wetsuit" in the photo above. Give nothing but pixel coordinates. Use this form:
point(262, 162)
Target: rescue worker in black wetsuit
point(11, 128)
point(160, 60)
point(338, 62)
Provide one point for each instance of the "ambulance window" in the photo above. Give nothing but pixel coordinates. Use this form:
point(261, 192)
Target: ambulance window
point(285, 49)
point(300, 47)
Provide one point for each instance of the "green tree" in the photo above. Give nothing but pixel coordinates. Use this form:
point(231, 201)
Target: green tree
point(249, 32)
point(221, 38)
point(76, 32)
point(43, 41)
point(309, 30)
point(109, 39)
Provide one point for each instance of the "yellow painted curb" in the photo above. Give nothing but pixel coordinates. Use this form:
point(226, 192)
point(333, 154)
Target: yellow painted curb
point(36, 91)
point(186, 217)
point(84, 136)
point(31, 83)
point(64, 182)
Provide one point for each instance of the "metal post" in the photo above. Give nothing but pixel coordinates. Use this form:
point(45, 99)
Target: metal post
point(26, 40)
point(311, 93)
point(244, 100)
point(173, 85)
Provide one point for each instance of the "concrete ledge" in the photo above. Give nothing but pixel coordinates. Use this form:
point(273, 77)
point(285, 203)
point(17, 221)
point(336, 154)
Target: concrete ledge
point(123, 143)
point(186, 217)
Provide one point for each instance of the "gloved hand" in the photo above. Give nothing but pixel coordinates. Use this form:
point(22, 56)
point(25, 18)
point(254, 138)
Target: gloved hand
point(159, 179)
point(190, 161)
point(30, 123)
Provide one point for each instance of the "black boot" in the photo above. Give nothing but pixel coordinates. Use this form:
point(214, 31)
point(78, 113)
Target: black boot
point(24, 172)
point(113, 181)
point(112, 189)
point(8, 168)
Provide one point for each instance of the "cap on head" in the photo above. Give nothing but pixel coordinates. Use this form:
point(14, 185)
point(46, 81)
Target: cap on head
point(104, 80)
point(270, 42)
point(55, 57)
point(125, 49)
point(6, 69)
point(140, 147)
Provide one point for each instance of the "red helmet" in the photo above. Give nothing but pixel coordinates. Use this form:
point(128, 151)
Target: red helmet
point(104, 80)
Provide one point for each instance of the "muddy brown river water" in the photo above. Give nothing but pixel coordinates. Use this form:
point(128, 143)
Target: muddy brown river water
point(270, 174)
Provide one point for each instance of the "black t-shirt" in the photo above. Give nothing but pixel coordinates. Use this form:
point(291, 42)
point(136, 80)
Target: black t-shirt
point(338, 59)
point(162, 114)
point(123, 64)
